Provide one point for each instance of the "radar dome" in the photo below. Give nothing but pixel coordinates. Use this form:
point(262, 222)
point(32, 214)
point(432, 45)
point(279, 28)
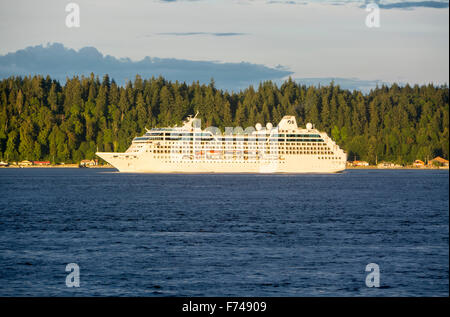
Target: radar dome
point(309, 126)
point(269, 126)
point(258, 126)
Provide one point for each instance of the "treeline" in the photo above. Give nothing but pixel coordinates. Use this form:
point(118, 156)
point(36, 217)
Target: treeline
point(42, 120)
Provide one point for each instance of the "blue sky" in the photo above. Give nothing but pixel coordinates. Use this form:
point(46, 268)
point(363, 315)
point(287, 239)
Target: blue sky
point(307, 39)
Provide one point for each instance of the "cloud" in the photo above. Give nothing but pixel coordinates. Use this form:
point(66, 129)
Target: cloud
point(202, 33)
point(383, 4)
point(345, 83)
point(60, 62)
point(408, 4)
point(169, 1)
point(286, 2)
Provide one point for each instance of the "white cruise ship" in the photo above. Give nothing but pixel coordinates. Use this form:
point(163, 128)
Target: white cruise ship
point(189, 149)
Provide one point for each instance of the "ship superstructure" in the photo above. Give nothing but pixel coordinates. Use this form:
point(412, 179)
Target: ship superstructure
point(189, 149)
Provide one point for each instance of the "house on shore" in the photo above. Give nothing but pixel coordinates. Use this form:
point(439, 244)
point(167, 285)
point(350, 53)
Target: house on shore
point(41, 163)
point(439, 161)
point(359, 163)
point(25, 163)
point(88, 163)
point(388, 165)
point(419, 164)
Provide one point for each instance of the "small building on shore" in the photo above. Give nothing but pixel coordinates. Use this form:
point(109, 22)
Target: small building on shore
point(25, 163)
point(388, 165)
point(439, 161)
point(419, 164)
point(359, 163)
point(88, 163)
point(41, 163)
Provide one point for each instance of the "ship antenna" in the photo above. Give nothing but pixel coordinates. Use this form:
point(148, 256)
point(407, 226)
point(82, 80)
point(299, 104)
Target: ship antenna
point(196, 115)
point(146, 129)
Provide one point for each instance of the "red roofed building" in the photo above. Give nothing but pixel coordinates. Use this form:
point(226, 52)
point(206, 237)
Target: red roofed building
point(42, 163)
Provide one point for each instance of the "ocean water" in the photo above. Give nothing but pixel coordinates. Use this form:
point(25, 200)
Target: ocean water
point(223, 235)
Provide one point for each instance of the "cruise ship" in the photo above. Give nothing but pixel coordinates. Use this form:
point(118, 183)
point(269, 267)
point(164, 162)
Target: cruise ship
point(285, 148)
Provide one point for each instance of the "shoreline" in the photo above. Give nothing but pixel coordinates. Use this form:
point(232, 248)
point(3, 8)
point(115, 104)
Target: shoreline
point(58, 166)
point(348, 167)
point(373, 167)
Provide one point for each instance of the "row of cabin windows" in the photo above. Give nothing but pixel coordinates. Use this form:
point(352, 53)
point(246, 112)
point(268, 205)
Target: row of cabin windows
point(268, 152)
point(168, 140)
point(209, 136)
point(320, 158)
point(210, 160)
point(293, 142)
point(245, 143)
point(289, 147)
point(308, 152)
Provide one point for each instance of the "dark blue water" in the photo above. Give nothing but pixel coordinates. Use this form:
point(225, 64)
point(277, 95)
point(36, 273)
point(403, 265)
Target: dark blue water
point(223, 235)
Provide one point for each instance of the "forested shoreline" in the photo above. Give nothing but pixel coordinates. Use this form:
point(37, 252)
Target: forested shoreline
point(40, 119)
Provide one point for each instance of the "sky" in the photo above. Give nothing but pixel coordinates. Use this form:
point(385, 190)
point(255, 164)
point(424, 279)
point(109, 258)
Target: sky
point(307, 39)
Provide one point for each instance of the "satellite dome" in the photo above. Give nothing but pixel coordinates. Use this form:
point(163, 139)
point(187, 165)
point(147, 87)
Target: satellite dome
point(269, 126)
point(258, 126)
point(309, 126)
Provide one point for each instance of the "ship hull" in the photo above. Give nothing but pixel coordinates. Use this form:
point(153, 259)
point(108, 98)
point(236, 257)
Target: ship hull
point(142, 163)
